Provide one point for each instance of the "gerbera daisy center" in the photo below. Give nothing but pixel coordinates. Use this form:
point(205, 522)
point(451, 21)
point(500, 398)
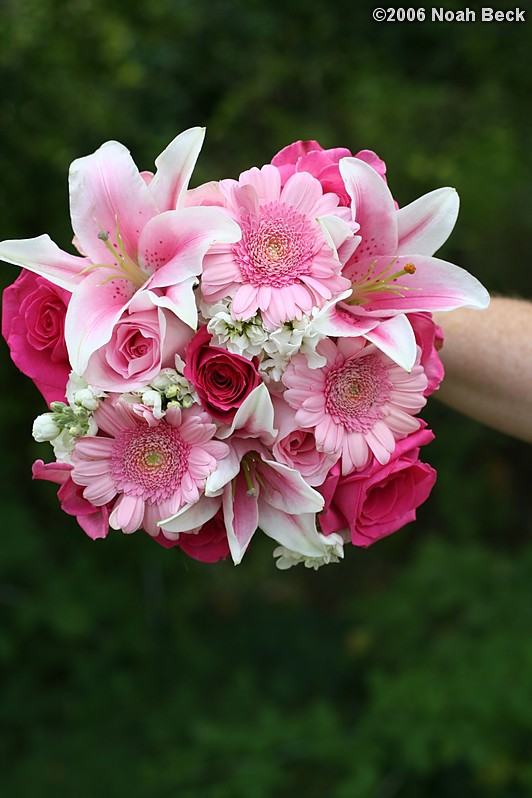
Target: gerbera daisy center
point(276, 246)
point(149, 462)
point(356, 391)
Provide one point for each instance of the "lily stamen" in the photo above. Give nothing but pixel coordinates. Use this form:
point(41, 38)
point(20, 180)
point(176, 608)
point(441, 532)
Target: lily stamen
point(368, 284)
point(126, 268)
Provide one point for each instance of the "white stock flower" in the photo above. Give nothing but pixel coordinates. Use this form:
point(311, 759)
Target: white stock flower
point(298, 336)
point(170, 388)
point(79, 392)
point(64, 446)
point(333, 551)
point(45, 428)
point(153, 399)
point(246, 338)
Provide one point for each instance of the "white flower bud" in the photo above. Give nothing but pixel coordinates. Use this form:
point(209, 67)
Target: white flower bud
point(86, 399)
point(153, 399)
point(45, 428)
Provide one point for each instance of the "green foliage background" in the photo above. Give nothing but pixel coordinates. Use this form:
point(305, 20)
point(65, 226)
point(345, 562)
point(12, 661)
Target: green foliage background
point(407, 670)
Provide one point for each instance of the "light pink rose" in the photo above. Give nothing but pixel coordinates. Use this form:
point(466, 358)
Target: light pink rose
point(208, 544)
point(142, 343)
point(378, 500)
point(93, 520)
point(222, 379)
point(33, 317)
point(429, 336)
point(296, 447)
point(309, 156)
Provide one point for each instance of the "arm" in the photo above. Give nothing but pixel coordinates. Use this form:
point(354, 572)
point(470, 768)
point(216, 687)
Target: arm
point(488, 363)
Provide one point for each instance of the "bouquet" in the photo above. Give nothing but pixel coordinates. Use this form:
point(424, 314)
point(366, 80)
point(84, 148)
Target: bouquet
point(246, 355)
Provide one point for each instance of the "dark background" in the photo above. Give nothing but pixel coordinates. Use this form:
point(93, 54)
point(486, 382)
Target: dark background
point(406, 671)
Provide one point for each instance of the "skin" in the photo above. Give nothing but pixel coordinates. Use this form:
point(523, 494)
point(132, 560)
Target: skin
point(488, 364)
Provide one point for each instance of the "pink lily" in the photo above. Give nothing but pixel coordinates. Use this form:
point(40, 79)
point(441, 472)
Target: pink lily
point(254, 491)
point(392, 271)
point(134, 234)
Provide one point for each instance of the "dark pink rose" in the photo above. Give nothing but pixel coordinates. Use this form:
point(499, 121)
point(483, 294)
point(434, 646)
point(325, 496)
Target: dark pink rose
point(429, 336)
point(222, 379)
point(380, 499)
point(309, 156)
point(93, 520)
point(33, 319)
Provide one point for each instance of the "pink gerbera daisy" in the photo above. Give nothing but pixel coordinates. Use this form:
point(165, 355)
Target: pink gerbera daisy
point(152, 467)
point(359, 403)
point(286, 262)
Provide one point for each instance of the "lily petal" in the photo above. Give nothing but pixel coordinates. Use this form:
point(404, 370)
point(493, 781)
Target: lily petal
point(225, 472)
point(241, 517)
point(93, 311)
point(337, 232)
point(173, 244)
point(189, 517)
point(174, 168)
point(296, 532)
point(395, 337)
point(285, 489)
point(254, 418)
point(373, 208)
point(343, 321)
point(435, 285)
point(181, 301)
point(106, 191)
point(42, 256)
point(426, 224)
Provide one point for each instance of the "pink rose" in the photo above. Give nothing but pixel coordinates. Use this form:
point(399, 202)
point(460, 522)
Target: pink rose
point(378, 500)
point(208, 544)
point(93, 520)
point(309, 156)
point(33, 318)
point(296, 447)
point(144, 340)
point(429, 337)
point(222, 379)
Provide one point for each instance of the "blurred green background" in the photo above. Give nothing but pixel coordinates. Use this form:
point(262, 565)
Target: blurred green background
point(405, 671)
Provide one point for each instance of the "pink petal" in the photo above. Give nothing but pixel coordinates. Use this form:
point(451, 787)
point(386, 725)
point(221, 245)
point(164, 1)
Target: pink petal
point(426, 224)
point(373, 208)
point(244, 302)
point(241, 517)
point(337, 232)
point(96, 524)
point(42, 256)
point(92, 313)
point(254, 418)
point(106, 188)
point(304, 192)
point(190, 517)
point(128, 514)
point(174, 168)
point(395, 337)
point(226, 471)
point(285, 489)
point(343, 321)
point(51, 472)
point(266, 182)
point(173, 244)
point(435, 285)
point(297, 532)
point(181, 301)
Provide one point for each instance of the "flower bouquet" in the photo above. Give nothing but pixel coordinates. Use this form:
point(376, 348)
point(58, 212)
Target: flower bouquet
point(246, 355)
